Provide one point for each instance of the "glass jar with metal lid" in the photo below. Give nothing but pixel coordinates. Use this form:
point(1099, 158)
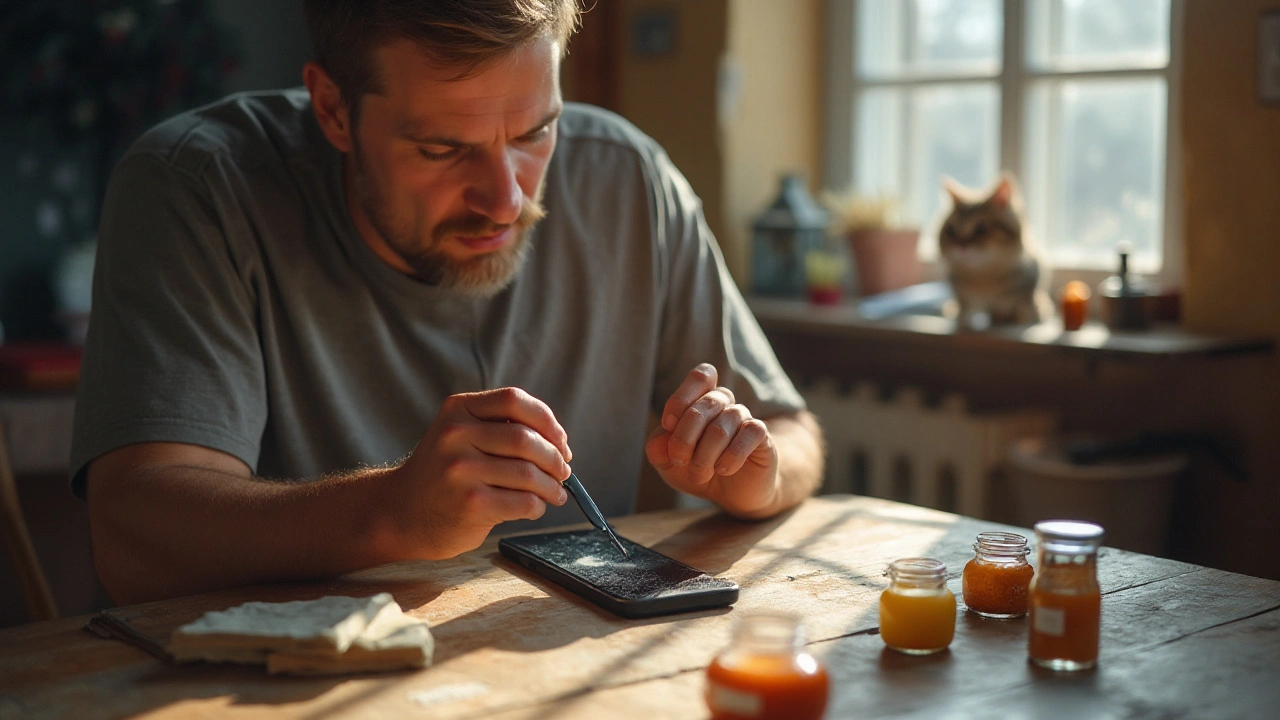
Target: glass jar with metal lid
point(1066, 602)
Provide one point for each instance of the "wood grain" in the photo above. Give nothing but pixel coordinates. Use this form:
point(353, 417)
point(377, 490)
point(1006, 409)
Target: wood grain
point(512, 645)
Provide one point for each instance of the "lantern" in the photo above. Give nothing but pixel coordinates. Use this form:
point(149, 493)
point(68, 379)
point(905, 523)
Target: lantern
point(782, 234)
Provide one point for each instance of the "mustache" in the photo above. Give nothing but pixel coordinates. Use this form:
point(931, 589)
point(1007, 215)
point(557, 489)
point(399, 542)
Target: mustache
point(476, 225)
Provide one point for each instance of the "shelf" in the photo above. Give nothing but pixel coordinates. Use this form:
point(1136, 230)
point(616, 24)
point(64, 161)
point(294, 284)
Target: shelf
point(1094, 339)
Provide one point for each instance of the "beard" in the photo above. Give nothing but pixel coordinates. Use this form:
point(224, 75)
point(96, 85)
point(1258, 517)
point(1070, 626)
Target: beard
point(477, 277)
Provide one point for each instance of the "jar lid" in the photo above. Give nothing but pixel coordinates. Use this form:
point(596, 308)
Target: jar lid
point(1069, 535)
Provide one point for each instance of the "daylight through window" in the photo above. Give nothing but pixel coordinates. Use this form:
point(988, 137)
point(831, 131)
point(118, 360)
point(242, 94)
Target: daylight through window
point(1071, 95)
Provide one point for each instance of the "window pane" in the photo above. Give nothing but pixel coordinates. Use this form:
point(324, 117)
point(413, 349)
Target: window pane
point(904, 38)
point(1089, 34)
point(1095, 170)
point(908, 138)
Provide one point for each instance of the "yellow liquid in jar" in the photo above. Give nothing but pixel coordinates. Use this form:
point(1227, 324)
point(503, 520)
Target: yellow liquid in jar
point(917, 621)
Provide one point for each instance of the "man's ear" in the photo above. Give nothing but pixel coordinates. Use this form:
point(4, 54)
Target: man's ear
point(331, 110)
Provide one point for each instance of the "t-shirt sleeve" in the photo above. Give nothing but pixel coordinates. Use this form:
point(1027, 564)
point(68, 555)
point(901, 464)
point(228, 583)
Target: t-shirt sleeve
point(172, 352)
point(705, 318)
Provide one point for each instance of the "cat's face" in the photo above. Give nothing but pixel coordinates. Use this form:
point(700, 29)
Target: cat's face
point(986, 234)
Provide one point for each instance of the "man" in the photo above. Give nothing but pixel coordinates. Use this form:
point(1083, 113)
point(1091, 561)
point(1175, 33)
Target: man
point(365, 322)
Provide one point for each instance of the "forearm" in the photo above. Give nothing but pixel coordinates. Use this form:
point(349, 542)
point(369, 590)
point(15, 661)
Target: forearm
point(174, 530)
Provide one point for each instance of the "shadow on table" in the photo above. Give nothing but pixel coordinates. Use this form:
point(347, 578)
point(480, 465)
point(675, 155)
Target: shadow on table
point(714, 543)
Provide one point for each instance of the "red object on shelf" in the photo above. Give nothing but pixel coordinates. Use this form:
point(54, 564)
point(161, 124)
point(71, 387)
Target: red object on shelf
point(824, 296)
point(39, 365)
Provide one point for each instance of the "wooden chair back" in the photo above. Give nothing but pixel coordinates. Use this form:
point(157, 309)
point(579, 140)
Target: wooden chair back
point(13, 529)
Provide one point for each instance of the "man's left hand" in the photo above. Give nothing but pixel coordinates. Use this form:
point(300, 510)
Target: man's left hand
point(709, 446)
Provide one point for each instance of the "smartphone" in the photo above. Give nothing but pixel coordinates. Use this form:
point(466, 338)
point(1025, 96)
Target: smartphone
point(645, 584)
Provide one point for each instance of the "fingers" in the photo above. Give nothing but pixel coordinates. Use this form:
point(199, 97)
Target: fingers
point(728, 442)
point(706, 420)
point(511, 474)
point(497, 505)
point(517, 406)
point(705, 430)
point(521, 443)
point(700, 381)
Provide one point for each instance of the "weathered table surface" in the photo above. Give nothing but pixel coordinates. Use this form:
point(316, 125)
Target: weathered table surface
point(1178, 640)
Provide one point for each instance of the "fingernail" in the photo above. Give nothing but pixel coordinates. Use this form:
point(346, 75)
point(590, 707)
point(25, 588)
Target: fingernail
point(568, 457)
point(669, 423)
point(722, 470)
point(563, 497)
point(677, 461)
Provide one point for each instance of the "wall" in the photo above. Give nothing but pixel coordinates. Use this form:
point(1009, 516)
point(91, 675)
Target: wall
point(46, 191)
point(735, 101)
point(672, 96)
point(1231, 200)
point(775, 51)
point(275, 42)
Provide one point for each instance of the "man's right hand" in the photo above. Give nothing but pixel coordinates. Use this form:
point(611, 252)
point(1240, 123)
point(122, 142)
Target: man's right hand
point(487, 458)
point(173, 519)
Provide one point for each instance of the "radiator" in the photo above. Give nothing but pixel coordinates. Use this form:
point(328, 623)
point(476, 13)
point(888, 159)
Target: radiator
point(894, 445)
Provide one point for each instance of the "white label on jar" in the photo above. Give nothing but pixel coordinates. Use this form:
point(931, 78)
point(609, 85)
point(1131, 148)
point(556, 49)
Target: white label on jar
point(723, 699)
point(1050, 621)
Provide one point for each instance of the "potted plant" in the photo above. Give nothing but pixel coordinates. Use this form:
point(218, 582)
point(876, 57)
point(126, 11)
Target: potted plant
point(884, 251)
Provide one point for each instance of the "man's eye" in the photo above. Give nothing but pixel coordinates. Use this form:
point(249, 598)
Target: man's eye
point(445, 154)
point(538, 135)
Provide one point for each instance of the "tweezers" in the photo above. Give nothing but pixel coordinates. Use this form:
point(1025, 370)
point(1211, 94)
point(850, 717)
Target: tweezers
point(579, 493)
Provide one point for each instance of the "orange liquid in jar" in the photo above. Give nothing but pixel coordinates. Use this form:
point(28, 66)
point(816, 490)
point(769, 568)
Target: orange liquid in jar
point(1075, 305)
point(997, 588)
point(914, 621)
point(1065, 627)
point(766, 687)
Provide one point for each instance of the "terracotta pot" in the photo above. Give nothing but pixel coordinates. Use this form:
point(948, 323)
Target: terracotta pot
point(885, 259)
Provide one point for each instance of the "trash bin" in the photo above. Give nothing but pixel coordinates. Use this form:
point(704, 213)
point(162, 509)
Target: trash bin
point(1132, 498)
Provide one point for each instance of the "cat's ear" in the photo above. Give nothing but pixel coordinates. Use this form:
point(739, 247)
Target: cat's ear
point(1002, 197)
point(954, 191)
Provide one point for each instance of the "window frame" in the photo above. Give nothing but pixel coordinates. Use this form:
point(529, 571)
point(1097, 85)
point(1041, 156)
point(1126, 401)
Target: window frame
point(1014, 80)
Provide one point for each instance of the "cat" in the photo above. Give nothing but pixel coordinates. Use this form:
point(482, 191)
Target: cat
point(994, 272)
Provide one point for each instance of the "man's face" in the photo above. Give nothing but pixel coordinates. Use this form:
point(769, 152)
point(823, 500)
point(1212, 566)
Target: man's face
point(447, 174)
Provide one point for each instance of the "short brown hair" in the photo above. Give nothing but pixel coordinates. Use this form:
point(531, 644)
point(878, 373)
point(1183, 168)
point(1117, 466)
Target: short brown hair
point(466, 34)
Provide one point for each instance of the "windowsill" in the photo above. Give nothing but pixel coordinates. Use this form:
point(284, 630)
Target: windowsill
point(1094, 339)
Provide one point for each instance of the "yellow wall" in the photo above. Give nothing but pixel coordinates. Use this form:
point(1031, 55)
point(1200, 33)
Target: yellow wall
point(1231, 155)
point(672, 98)
point(1231, 220)
point(775, 49)
point(772, 123)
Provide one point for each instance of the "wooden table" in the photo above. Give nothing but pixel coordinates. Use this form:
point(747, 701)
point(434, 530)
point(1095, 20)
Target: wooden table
point(1178, 640)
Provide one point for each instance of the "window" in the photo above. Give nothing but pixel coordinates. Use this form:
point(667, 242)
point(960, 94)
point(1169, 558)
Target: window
point(1073, 96)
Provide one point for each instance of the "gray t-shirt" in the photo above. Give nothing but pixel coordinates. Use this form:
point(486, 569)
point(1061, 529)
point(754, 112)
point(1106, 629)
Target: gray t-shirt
point(235, 306)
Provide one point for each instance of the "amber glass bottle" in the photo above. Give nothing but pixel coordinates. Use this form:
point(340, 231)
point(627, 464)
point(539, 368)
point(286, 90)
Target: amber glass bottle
point(766, 674)
point(1066, 602)
point(997, 579)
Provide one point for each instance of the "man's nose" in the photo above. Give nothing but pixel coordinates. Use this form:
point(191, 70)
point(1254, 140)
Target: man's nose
point(495, 191)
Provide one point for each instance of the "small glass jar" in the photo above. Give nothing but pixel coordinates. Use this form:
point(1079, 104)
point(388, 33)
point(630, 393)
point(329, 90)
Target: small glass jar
point(1066, 602)
point(997, 579)
point(1075, 305)
point(766, 674)
point(917, 610)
